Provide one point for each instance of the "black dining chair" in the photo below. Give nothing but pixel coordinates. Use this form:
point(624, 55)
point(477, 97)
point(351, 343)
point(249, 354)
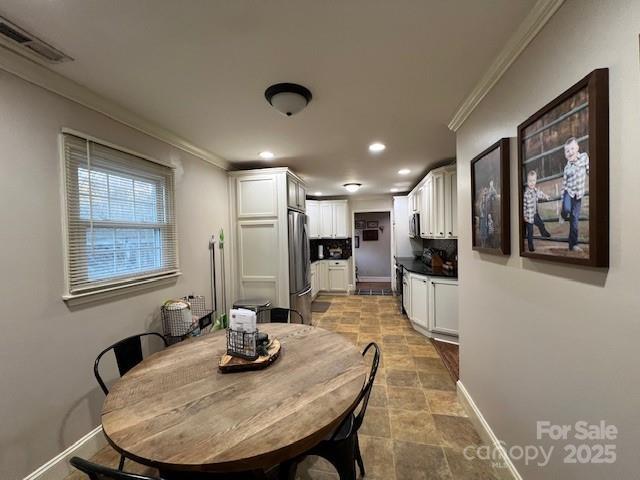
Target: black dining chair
point(342, 449)
point(128, 353)
point(282, 315)
point(100, 472)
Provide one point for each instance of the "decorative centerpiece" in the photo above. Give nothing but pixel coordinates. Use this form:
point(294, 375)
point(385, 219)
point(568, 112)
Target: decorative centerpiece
point(247, 348)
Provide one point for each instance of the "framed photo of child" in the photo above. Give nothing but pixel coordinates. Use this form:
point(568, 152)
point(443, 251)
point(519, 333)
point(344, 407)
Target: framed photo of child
point(563, 172)
point(490, 200)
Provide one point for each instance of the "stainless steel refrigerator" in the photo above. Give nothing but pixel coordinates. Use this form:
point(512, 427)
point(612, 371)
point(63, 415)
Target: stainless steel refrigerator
point(299, 267)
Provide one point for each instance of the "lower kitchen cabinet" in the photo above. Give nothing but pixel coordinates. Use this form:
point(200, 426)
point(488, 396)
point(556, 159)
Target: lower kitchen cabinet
point(419, 299)
point(431, 303)
point(444, 306)
point(330, 276)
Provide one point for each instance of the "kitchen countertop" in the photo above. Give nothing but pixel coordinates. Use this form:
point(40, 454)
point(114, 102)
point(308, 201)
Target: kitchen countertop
point(335, 258)
point(421, 268)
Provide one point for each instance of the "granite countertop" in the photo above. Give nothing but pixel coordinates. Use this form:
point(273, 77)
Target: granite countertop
point(421, 268)
point(343, 257)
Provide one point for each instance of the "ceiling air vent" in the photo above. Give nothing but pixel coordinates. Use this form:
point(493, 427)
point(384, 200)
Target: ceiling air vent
point(20, 40)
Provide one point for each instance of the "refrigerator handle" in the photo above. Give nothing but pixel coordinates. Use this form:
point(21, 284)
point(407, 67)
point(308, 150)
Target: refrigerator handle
point(306, 254)
point(305, 292)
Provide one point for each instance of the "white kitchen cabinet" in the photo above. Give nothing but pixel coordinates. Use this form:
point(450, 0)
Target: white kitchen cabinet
point(451, 204)
point(426, 213)
point(322, 275)
point(406, 293)
point(443, 294)
point(338, 275)
point(334, 219)
point(313, 218)
point(296, 194)
point(437, 205)
point(419, 298)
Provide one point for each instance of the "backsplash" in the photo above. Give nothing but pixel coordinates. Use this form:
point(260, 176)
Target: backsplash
point(327, 243)
point(448, 245)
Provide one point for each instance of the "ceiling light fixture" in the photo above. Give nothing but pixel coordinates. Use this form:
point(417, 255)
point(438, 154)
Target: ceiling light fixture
point(377, 147)
point(317, 194)
point(266, 155)
point(288, 98)
point(352, 187)
point(404, 171)
point(393, 189)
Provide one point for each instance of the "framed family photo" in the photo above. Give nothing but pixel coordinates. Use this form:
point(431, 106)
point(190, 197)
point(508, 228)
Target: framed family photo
point(563, 173)
point(490, 199)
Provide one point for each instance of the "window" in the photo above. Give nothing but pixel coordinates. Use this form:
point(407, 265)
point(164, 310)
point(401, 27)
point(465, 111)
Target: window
point(120, 222)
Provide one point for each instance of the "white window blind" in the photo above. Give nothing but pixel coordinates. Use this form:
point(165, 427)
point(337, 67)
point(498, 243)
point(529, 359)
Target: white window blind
point(121, 225)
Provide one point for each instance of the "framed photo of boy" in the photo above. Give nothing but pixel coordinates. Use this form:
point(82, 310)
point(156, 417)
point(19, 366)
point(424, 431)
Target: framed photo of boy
point(563, 173)
point(490, 200)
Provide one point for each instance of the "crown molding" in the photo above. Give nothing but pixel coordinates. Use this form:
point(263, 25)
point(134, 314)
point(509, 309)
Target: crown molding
point(37, 74)
point(537, 18)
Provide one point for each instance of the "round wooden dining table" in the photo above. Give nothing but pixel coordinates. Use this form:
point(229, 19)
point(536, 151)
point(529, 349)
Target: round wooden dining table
point(177, 412)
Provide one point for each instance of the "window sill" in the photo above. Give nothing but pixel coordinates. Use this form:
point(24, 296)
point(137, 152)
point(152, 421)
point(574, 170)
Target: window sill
point(118, 290)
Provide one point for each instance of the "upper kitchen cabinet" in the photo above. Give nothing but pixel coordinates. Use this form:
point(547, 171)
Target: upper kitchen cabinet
point(332, 218)
point(296, 194)
point(313, 218)
point(437, 204)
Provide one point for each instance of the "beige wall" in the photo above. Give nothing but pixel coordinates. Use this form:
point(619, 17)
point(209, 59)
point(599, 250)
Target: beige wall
point(542, 341)
point(49, 397)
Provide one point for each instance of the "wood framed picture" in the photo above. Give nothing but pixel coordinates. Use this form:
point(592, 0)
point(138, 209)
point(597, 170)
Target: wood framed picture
point(372, 224)
point(369, 235)
point(360, 224)
point(490, 199)
point(563, 173)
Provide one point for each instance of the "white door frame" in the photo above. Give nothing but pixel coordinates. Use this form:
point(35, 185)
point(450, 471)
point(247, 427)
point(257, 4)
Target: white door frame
point(391, 246)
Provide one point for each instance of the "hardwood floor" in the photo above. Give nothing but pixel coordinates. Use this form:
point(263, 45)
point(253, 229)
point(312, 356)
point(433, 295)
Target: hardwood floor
point(414, 427)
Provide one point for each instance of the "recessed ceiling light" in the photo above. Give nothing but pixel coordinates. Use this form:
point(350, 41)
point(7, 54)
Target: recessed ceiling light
point(317, 194)
point(393, 189)
point(267, 155)
point(352, 187)
point(404, 171)
point(377, 147)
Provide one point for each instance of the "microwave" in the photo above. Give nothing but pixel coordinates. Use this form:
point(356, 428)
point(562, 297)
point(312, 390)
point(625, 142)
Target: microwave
point(414, 225)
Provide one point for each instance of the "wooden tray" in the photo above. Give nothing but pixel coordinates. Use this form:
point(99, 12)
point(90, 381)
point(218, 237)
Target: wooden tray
point(229, 364)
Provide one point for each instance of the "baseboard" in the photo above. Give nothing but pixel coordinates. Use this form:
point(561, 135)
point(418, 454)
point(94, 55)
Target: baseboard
point(486, 433)
point(374, 279)
point(58, 467)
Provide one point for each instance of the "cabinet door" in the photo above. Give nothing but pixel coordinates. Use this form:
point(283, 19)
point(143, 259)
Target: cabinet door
point(337, 277)
point(444, 306)
point(322, 276)
point(340, 220)
point(257, 196)
point(406, 294)
point(451, 205)
point(424, 217)
point(313, 217)
point(437, 208)
point(419, 300)
point(302, 197)
point(326, 220)
point(292, 192)
point(428, 207)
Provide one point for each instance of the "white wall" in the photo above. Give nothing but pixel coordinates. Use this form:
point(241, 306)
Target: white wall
point(373, 258)
point(49, 395)
point(543, 341)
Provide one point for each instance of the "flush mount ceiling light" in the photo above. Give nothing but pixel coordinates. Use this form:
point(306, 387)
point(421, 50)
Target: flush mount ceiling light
point(352, 187)
point(266, 155)
point(288, 98)
point(377, 147)
point(404, 171)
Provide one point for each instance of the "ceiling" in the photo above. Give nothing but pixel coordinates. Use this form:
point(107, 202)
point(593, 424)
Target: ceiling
point(393, 71)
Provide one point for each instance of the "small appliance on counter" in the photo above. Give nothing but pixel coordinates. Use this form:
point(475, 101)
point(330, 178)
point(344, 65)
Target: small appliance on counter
point(335, 253)
point(434, 257)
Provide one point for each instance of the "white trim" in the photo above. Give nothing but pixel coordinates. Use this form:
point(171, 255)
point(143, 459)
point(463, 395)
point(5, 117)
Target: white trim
point(537, 18)
point(486, 433)
point(58, 467)
point(375, 279)
point(52, 81)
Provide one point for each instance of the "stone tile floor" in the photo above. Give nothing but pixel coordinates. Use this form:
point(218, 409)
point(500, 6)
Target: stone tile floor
point(414, 428)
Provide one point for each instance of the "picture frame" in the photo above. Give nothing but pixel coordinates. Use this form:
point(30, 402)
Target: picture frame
point(360, 224)
point(563, 169)
point(369, 235)
point(490, 200)
point(372, 224)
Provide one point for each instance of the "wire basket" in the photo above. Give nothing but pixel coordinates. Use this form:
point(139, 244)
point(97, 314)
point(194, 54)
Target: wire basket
point(181, 323)
point(242, 344)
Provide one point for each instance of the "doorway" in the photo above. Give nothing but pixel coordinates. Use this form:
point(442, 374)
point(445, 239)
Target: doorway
point(372, 241)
